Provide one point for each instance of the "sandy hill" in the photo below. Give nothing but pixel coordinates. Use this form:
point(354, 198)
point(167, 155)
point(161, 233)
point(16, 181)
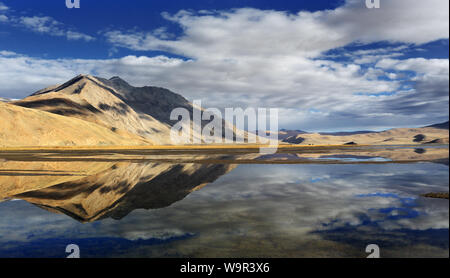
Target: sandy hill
point(423, 135)
point(31, 127)
point(115, 104)
point(87, 98)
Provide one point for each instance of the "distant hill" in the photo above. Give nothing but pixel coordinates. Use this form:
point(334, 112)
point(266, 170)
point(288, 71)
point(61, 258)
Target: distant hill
point(423, 135)
point(294, 139)
point(290, 136)
point(347, 133)
point(5, 99)
point(286, 133)
point(441, 125)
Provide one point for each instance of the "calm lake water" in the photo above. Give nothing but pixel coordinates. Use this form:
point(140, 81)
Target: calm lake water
point(210, 210)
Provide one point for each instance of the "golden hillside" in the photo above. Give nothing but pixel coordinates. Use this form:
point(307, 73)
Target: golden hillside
point(396, 136)
point(87, 98)
point(30, 127)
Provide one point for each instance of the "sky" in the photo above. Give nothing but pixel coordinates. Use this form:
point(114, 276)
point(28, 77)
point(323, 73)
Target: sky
point(326, 65)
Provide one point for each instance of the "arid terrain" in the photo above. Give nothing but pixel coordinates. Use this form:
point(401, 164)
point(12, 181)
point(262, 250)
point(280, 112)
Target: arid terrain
point(31, 127)
point(396, 136)
point(94, 111)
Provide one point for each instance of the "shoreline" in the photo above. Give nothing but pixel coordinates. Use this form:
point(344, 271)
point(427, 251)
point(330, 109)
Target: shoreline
point(203, 147)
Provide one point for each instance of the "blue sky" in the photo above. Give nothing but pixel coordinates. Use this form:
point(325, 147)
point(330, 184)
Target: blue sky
point(327, 65)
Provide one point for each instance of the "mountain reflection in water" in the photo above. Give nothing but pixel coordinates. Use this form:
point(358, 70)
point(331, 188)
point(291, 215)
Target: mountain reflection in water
point(151, 209)
point(122, 188)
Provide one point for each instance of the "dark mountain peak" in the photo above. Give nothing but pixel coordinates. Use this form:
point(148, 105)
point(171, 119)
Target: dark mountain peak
point(117, 81)
point(124, 88)
point(293, 130)
point(155, 101)
point(443, 125)
point(347, 133)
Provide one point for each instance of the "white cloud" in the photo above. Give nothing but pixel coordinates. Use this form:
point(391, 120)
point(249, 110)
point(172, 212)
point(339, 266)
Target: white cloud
point(437, 67)
point(410, 21)
point(369, 56)
point(41, 24)
point(50, 26)
point(267, 33)
point(7, 53)
point(273, 58)
point(72, 35)
point(3, 7)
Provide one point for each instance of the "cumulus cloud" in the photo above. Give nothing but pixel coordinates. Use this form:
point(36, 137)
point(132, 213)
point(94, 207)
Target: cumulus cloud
point(3, 7)
point(7, 53)
point(410, 21)
point(252, 32)
point(42, 24)
point(48, 25)
point(367, 56)
point(429, 67)
point(274, 58)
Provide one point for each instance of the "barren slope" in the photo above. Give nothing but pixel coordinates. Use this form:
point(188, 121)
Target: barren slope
point(30, 127)
point(394, 136)
point(87, 98)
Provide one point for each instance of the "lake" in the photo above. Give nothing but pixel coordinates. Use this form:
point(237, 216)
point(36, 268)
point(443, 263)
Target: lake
point(238, 205)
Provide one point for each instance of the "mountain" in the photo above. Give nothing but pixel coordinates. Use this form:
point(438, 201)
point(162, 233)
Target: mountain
point(293, 139)
point(347, 133)
point(441, 125)
point(5, 100)
point(388, 137)
point(87, 98)
point(115, 104)
point(154, 101)
point(292, 136)
point(31, 127)
point(285, 133)
point(158, 103)
point(121, 188)
point(127, 115)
